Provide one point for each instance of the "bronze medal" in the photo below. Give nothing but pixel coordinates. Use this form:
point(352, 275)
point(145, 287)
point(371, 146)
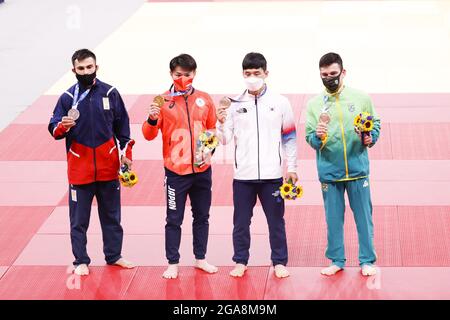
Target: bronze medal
point(325, 118)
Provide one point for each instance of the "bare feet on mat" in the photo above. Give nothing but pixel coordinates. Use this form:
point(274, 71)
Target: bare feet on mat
point(171, 272)
point(81, 270)
point(281, 271)
point(368, 270)
point(331, 270)
point(124, 264)
point(205, 266)
point(239, 270)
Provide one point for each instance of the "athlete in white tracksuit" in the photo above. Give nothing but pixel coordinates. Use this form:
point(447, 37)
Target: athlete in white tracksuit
point(263, 127)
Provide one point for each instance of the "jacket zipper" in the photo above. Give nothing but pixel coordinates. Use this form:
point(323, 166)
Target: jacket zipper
point(341, 118)
point(235, 156)
point(257, 131)
point(93, 136)
point(190, 132)
point(279, 151)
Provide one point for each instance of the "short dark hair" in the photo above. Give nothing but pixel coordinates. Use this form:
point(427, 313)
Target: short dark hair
point(183, 61)
point(329, 59)
point(254, 60)
point(83, 54)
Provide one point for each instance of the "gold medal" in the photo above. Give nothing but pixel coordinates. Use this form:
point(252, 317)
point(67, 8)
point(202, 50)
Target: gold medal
point(159, 100)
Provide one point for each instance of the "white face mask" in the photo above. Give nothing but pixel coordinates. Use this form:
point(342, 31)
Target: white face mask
point(254, 83)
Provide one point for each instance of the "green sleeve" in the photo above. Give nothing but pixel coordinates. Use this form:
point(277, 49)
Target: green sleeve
point(376, 121)
point(311, 124)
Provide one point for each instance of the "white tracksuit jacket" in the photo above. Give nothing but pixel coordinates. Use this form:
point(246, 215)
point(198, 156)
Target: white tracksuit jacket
point(262, 127)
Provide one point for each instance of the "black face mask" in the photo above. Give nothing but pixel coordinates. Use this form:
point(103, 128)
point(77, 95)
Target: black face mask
point(332, 84)
point(86, 80)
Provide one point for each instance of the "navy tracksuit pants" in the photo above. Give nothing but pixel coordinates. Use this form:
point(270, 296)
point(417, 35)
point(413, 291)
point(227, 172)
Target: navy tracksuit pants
point(198, 187)
point(244, 199)
point(107, 194)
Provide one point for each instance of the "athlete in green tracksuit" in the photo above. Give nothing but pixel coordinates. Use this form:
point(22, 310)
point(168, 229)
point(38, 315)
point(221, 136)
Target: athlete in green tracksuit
point(342, 161)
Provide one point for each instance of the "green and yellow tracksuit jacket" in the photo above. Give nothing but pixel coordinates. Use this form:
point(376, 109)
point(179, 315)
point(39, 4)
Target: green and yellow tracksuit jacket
point(342, 156)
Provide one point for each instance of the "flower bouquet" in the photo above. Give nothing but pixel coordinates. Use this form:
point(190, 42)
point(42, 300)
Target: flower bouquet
point(206, 144)
point(127, 178)
point(363, 124)
point(289, 191)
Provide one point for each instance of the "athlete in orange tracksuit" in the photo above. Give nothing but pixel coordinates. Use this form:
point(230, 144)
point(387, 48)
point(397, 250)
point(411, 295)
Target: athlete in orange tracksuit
point(186, 113)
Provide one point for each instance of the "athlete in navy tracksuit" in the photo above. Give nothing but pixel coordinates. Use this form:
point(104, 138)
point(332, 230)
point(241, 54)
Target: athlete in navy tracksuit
point(93, 157)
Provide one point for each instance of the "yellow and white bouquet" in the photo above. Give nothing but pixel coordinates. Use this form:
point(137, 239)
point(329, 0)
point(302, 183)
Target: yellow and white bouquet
point(363, 124)
point(127, 177)
point(206, 144)
point(289, 191)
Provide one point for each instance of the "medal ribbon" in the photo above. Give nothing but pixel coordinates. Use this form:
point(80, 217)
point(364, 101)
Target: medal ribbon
point(76, 101)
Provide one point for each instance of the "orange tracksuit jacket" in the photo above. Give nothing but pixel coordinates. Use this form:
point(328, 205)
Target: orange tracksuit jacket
point(181, 121)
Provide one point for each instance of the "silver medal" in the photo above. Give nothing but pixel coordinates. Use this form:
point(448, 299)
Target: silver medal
point(74, 114)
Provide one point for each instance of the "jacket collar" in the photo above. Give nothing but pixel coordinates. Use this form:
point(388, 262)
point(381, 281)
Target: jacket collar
point(247, 95)
point(334, 94)
point(172, 90)
point(83, 88)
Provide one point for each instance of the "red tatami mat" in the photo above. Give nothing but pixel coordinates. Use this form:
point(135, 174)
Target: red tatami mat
point(417, 236)
point(143, 250)
point(39, 112)
point(32, 193)
point(389, 283)
point(138, 111)
point(144, 149)
point(307, 236)
point(411, 100)
point(388, 170)
point(414, 115)
point(17, 226)
point(57, 283)
point(410, 179)
point(3, 271)
point(425, 235)
point(195, 284)
point(410, 170)
point(429, 141)
point(33, 171)
point(410, 193)
point(30, 142)
point(258, 283)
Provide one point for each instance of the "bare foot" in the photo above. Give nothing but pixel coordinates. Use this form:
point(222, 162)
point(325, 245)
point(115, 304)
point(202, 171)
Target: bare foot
point(239, 270)
point(281, 271)
point(205, 266)
point(81, 270)
point(171, 272)
point(124, 264)
point(368, 270)
point(331, 270)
